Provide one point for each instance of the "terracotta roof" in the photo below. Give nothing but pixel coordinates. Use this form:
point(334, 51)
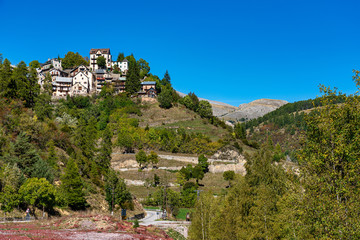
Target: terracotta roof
point(102, 50)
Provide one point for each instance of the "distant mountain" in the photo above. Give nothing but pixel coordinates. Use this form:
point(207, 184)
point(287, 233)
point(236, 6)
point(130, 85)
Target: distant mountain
point(219, 108)
point(254, 109)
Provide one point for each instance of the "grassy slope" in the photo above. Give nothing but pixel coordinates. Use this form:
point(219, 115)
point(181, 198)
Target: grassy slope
point(153, 115)
point(176, 117)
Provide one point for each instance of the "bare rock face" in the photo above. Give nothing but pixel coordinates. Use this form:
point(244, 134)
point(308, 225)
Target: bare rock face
point(227, 156)
point(255, 109)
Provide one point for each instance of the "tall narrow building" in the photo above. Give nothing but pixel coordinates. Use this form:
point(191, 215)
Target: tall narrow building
point(97, 52)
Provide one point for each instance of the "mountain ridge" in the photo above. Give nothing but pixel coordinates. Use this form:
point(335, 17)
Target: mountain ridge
point(245, 111)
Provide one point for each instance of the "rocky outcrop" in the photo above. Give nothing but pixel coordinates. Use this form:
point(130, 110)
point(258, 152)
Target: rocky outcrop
point(255, 109)
point(227, 160)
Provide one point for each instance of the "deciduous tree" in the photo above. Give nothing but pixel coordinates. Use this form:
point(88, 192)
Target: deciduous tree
point(205, 109)
point(101, 62)
point(141, 158)
point(38, 193)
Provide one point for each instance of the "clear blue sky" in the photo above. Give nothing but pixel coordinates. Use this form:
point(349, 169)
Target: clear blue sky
point(230, 51)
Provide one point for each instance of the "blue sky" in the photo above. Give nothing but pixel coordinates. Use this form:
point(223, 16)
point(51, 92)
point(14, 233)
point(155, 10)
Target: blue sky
point(229, 51)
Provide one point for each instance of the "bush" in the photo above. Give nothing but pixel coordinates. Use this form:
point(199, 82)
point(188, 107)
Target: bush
point(136, 224)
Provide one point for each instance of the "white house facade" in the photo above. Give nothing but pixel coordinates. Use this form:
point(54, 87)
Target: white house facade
point(97, 52)
point(124, 66)
point(62, 86)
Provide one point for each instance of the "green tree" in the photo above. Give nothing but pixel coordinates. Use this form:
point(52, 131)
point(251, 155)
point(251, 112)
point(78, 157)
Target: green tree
point(52, 157)
point(72, 186)
point(133, 83)
point(9, 199)
point(198, 173)
point(229, 176)
point(195, 101)
point(72, 60)
point(143, 67)
point(126, 141)
point(32, 88)
point(34, 64)
point(153, 158)
point(5, 78)
point(42, 169)
point(165, 98)
point(11, 179)
point(43, 106)
point(120, 57)
point(24, 154)
point(240, 132)
point(86, 136)
point(188, 102)
point(47, 86)
point(330, 160)
point(188, 194)
point(141, 158)
point(166, 79)
point(205, 211)
point(101, 62)
point(203, 163)
point(104, 155)
point(205, 109)
point(18, 83)
point(116, 192)
point(38, 193)
point(156, 180)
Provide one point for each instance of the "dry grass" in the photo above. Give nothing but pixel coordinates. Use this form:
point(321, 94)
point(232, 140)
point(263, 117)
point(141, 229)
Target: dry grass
point(199, 126)
point(165, 176)
point(153, 115)
point(213, 182)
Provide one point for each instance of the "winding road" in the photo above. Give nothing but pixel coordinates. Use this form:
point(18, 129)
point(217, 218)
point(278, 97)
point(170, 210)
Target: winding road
point(152, 218)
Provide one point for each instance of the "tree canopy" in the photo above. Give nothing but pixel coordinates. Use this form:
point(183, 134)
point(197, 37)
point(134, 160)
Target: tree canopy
point(72, 60)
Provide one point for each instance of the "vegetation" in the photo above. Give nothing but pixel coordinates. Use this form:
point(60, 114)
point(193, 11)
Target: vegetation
point(101, 62)
point(69, 142)
point(272, 202)
point(72, 60)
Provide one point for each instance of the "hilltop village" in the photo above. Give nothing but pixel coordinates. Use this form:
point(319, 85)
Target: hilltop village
point(89, 78)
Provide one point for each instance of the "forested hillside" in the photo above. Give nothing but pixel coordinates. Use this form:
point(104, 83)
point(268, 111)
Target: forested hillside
point(56, 153)
point(316, 199)
point(286, 124)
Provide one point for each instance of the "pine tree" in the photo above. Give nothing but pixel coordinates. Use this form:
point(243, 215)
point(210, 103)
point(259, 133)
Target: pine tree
point(72, 185)
point(166, 80)
point(32, 88)
point(5, 77)
point(104, 156)
point(120, 57)
point(25, 154)
point(116, 192)
point(133, 83)
point(42, 169)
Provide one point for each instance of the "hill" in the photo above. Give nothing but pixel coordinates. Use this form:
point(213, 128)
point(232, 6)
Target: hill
point(254, 109)
point(246, 111)
point(286, 124)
